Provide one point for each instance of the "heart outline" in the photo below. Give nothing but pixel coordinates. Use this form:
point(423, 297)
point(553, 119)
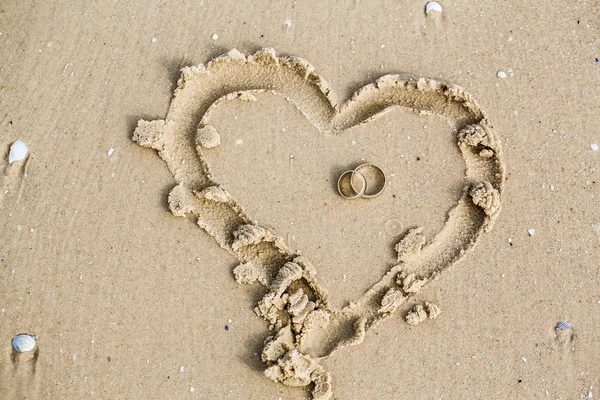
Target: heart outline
point(233, 75)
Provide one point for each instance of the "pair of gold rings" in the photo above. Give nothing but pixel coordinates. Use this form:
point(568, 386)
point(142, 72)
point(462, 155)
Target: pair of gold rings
point(366, 181)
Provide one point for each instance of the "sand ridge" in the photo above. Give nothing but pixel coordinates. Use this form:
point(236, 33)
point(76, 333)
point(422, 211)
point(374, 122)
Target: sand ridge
point(306, 329)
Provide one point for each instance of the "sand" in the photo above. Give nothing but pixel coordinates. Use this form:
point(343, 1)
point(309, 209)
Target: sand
point(217, 259)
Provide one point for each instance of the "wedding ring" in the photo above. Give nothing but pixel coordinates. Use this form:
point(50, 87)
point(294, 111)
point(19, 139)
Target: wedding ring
point(374, 175)
point(346, 187)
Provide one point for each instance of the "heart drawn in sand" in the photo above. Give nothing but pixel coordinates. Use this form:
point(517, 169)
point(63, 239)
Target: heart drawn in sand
point(305, 328)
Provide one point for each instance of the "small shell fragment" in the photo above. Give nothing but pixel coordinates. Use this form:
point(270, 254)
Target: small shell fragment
point(531, 231)
point(23, 343)
point(594, 147)
point(287, 23)
point(18, 151)
point(214, 36)
point(502, 74)
point(563, 325)
point(433, 6)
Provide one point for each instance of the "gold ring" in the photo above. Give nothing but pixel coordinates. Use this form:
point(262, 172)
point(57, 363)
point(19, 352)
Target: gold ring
point(380, 179)
point(350, 188)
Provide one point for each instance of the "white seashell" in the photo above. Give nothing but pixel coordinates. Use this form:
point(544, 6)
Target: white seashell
point(433, 6)
point(563, 325)
point(287, 23)
point(501, 74)
point(23, 343)
point(18, 151)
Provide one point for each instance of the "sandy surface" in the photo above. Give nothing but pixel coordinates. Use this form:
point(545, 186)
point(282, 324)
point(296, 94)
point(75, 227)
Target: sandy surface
point(121, 294)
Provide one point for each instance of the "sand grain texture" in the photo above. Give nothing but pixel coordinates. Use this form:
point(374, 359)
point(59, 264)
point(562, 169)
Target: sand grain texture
point(120, 294)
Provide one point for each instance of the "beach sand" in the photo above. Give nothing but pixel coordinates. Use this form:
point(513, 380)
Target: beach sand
point(103, 262)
